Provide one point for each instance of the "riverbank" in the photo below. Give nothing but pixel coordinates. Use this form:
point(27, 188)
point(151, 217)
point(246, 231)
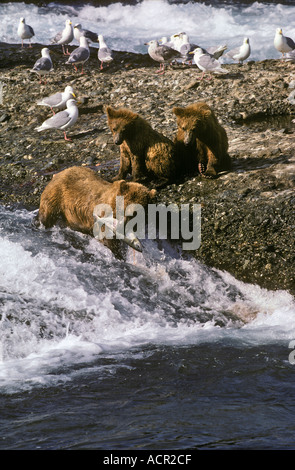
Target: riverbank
point(247, 214)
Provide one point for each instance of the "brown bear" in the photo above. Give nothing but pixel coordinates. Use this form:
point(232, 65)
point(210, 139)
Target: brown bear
point(73, 193)
point(144, 153)
point(202, 139)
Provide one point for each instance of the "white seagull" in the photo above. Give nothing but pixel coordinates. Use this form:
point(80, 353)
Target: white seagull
point(62, 120)
point(43, 65)
point(25, 31)
point(58, 100)
point(79, 31)
point(282, 43)
point(185, 47)
point(240, 53)
point(64, 37)
point(105, 54)
point(80, 55)
point(207, 63)
point(162, 53)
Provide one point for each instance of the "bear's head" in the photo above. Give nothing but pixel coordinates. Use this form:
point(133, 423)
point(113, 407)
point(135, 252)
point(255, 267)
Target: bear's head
point(120, 122)
point(193, 121)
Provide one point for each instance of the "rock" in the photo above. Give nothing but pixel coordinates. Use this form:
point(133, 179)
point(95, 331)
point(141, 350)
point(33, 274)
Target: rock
point(4, 117)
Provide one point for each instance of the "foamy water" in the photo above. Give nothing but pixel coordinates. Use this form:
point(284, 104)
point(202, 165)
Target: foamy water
point(127, 27)
point(65, 300)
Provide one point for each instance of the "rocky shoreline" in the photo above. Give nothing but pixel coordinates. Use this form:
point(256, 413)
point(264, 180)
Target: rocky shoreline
point(248, 216)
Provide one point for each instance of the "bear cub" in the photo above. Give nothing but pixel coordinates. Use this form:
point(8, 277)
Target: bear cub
point(144, 153)
point(201, 139)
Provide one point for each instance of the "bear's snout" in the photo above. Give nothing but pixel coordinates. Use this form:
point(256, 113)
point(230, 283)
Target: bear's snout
point(118, 138)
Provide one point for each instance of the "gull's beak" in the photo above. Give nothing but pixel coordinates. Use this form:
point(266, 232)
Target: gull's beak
point(73, 94)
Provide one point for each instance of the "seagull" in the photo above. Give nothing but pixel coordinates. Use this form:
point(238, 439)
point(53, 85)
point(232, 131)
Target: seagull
point(161, 53)
point(282, 43)
point(104, 52)
point(185, 47)
point(58, 100)
point(25, 31)
point(80, 55)
point(206, 62)
point(216, 52)
point(164, 41)
point(64, 37)
point(176, 41)
point(240, 53)
point(43, 65)
point(79, 31)
point(62, 120)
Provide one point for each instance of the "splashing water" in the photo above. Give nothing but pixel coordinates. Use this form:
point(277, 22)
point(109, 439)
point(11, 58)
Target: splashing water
point(128, 27)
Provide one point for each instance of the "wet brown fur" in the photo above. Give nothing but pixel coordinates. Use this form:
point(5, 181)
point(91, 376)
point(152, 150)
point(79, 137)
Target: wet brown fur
point(201, 139)
point(73, 193)
point(144, 152)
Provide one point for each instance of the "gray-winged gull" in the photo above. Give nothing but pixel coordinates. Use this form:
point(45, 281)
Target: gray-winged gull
point(79, 31)
point(282, 43)
point(161, 53)
point(58, 100)
point(80, 55)
point(25, 31)
point(216, 52)
point(207, 63)
point(104, 54)
point(43, 65)
point(62, 120)
point(240, 53)
point(185, 47)
point(65, 36)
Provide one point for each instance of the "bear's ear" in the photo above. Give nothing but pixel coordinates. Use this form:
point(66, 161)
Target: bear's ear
point(153, 193)
point(178, 111)
point(110, 111)
point(207, 113)
point(123, 187)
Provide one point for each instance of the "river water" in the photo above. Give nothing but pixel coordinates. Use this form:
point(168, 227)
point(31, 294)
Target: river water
point(126, 27)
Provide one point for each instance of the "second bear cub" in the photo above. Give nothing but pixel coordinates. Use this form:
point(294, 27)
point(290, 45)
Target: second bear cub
point(200, 136)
